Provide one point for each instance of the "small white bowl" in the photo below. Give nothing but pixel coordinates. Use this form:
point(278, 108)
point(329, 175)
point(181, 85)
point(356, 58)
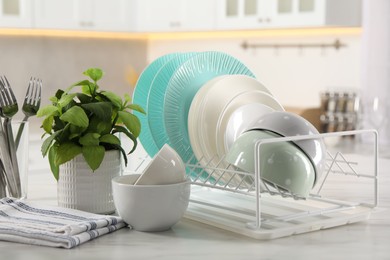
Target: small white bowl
point(289, 124)
point(150, 207)
point(166, 167)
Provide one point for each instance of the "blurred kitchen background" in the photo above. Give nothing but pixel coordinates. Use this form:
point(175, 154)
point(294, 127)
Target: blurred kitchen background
point(328, 60)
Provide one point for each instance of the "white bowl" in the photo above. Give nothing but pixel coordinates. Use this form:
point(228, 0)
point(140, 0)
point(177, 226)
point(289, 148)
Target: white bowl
point(282, 163)
point(166, 167)
point(150, 207)
point(289, 124)
point(225, 134)
point(240, 120)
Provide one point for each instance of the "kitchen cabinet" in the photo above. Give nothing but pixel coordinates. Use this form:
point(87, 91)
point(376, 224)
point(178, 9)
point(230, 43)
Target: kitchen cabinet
point(258, 14)
point(175, 15)
point(15, 13)
point(98, 15)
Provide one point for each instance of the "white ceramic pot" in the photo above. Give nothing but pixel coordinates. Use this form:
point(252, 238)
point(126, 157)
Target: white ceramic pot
point(80, 188)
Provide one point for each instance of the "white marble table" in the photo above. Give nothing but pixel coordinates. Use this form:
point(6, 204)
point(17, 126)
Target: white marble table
point(192, 240)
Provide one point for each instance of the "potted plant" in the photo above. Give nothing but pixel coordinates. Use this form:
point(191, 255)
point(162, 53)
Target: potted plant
point(82, 146)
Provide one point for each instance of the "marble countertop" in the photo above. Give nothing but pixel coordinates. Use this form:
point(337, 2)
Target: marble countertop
point(192, 240)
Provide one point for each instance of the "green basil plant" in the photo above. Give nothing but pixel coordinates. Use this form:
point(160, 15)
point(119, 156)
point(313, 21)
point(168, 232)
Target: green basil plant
point(87, 123)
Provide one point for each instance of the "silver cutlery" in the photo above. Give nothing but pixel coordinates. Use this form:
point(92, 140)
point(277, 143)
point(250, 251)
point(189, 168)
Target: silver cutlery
point(9, 107)
point(31, 104)
point(3, 182)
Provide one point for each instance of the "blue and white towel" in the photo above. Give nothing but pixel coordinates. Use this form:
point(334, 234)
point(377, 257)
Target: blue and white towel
point(32, 223)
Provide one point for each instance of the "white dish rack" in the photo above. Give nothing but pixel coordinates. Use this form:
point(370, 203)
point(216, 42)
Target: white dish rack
point(346, 193)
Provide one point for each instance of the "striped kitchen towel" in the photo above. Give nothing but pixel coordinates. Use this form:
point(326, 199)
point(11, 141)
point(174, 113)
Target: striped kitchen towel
point(32, 223)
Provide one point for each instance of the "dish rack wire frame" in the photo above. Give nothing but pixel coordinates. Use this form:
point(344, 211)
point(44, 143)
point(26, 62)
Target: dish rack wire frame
point(258, 183)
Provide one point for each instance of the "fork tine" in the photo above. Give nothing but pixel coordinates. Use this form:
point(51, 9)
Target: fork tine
point(33, 93)
point(2, 97)
point(2, 81)
point(8, 94)
point(28, 97)
point(10, 91)
point(38, 96)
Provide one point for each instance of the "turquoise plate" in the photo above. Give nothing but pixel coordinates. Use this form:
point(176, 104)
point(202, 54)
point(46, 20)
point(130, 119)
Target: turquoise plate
point(156, 95)
point(140, 97)
point(181, 89)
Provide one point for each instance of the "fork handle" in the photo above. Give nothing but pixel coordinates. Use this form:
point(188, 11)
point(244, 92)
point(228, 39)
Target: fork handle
point(8, 169)
point(20, 131)
point(14, 159)
point(3, 182)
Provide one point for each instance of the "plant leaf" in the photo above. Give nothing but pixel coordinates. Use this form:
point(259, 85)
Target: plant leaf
point(65, 99)
point(131, 122)
point(114, 98)
point(127, 98)
point(110, 139)
point(90, 139)
point(48, 110)
point(93, 155)
point(136, 108)
point(76, 116)
point(103, 110)
point(96, 125)
point(47, 124)
point(84, 82)
point(55, 169)
point(94, 73)
point(47, 143)
point(121, 129)
point(120, 148)
point(84, 99)
point(58, 94)
point(66, 152)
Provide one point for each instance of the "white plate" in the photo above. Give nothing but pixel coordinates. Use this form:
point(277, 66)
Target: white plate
point(215, 99)
point(219, 95)
point(194, 119)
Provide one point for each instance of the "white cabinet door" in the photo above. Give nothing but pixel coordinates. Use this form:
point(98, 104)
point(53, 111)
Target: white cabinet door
point(296, 13)
point(175, 15)
point(258, 14)
point(160, 15)
point(55, 14)
point(200, 15)
point(100, 15)
point(15, 13)
point(113, 15)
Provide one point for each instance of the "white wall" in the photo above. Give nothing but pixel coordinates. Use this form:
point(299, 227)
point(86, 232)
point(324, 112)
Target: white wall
point(294, 76)
point(376, 68)
point(59, 62)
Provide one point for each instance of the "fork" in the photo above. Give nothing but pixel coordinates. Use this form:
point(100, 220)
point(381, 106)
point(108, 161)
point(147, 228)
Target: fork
point(9, 107)
point(31, 104)
point(2, 180)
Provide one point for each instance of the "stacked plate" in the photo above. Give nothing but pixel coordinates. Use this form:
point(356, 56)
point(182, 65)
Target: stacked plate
point(166, 89)
point(202, 104)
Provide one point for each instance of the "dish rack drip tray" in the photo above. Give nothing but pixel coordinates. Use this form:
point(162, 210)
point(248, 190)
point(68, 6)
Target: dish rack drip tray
point(242, 203)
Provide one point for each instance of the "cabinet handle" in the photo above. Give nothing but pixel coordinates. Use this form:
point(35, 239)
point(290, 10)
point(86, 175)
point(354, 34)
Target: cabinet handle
point(86, 24)
point(264, 20)
point(174, 24)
